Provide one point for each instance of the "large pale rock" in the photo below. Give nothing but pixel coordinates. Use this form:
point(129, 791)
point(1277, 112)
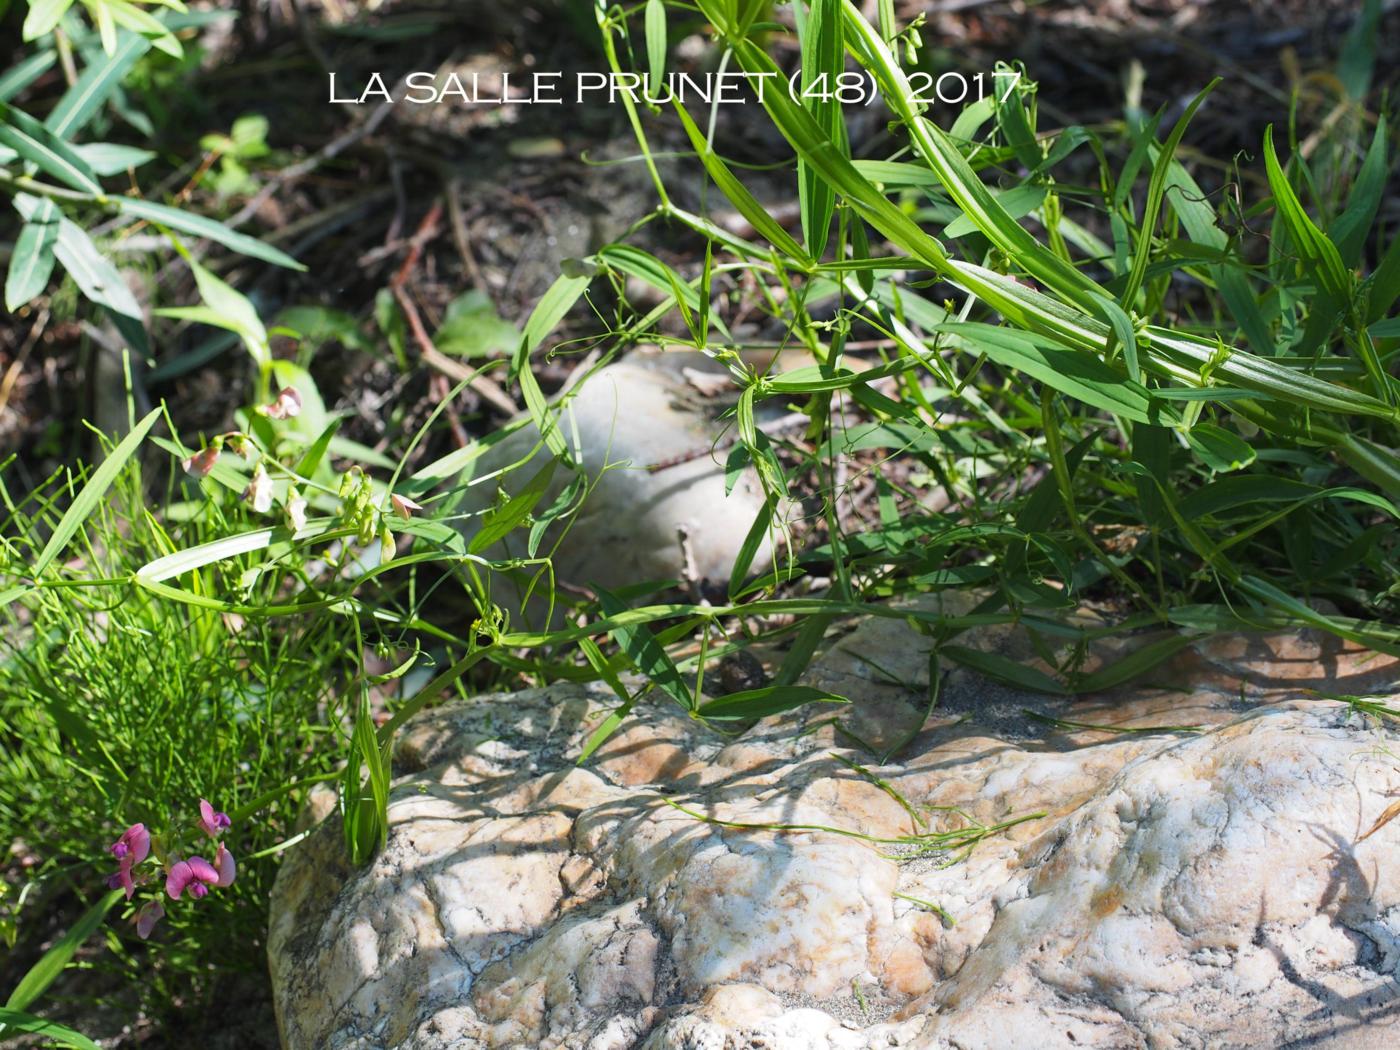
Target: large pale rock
point(1205, 889)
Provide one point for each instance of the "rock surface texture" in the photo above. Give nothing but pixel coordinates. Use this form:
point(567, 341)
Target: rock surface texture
point(1215, 888)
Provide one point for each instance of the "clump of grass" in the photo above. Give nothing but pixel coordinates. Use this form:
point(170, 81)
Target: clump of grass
point(118, 707)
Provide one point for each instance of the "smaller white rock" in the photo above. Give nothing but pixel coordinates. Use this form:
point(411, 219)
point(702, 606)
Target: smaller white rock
point(647, 440)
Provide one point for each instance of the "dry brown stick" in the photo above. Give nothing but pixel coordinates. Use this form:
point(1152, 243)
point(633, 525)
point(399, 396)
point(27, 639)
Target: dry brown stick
point(437, 386)
point(487, 388)
point(459, 234)
point(7, 384)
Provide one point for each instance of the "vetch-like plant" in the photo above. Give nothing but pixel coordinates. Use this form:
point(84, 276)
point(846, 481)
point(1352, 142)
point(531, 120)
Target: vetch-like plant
point(191, 876)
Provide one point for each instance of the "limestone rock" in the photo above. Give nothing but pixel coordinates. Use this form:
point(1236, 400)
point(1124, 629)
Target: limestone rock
point(1165, 889)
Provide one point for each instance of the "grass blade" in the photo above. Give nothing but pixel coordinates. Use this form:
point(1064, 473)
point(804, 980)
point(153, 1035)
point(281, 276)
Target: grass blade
point(44, 972)
point(93, 492)
point(201, 226)
point(646, 653)
point(59, 1035)
point(760, 703)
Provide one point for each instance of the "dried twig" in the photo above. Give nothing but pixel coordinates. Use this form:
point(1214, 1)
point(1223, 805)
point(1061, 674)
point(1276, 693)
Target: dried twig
point(7, 384)
point(434, 358)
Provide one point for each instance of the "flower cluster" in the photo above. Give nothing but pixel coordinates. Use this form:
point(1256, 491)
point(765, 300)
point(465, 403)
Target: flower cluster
point(184, 876)
point(360, 510)
point(258, 494)
point(202, 463)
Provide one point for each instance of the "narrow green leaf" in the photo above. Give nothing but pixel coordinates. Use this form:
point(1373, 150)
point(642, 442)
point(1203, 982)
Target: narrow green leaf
point(1350, 229)
point(656, 44)
point(760, 703)
point(543, 417)
point(111, 158)
point(501, 521)
point(738, 194)
point(753, 540)
point(1015, 125)
point(1382, 640)
point(202, 226)
point(1017, 202)
point(57, 1034)
point(94, 275)
point(53, 962)
point(97, 83)
point(1082, 377)
point(1218, 448)
point(311, 460)
point(93, 492)
point(1138, 662)
point(606, 728)
point(1373, 462)
point(1320, 256)
point(1357, 62)
point(1192, 207)
point(129, 16)
point(999, 667)
point(43, 16)
point(1156, 188)
point(609, 725)
point(45, 150)
point(549, 311)
point(32, 262)
point(823, 61)
point(225, 307)
point(646, 652)
point(25, 72)
point(181, 562)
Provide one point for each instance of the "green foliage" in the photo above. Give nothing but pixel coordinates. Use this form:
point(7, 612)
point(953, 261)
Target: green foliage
point(53, 179)
point(117, 706)
point(1123, 394)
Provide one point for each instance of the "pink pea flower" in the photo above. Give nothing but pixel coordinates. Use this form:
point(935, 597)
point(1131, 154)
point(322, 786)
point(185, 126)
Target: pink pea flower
point(403, 506)
point(239, 444)
point(202, 462)
point(224, 865)
point(259, 491)
point(211, 820)
point(286, 405)
point(195, 875)
point(147, 916)
point(131, 849)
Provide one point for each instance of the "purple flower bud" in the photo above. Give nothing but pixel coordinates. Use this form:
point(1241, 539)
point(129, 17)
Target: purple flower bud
point(286, 405)
point(403, 506)
point(223, 861)
point(147, 916)
point(202, 462)
point(211, 820)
